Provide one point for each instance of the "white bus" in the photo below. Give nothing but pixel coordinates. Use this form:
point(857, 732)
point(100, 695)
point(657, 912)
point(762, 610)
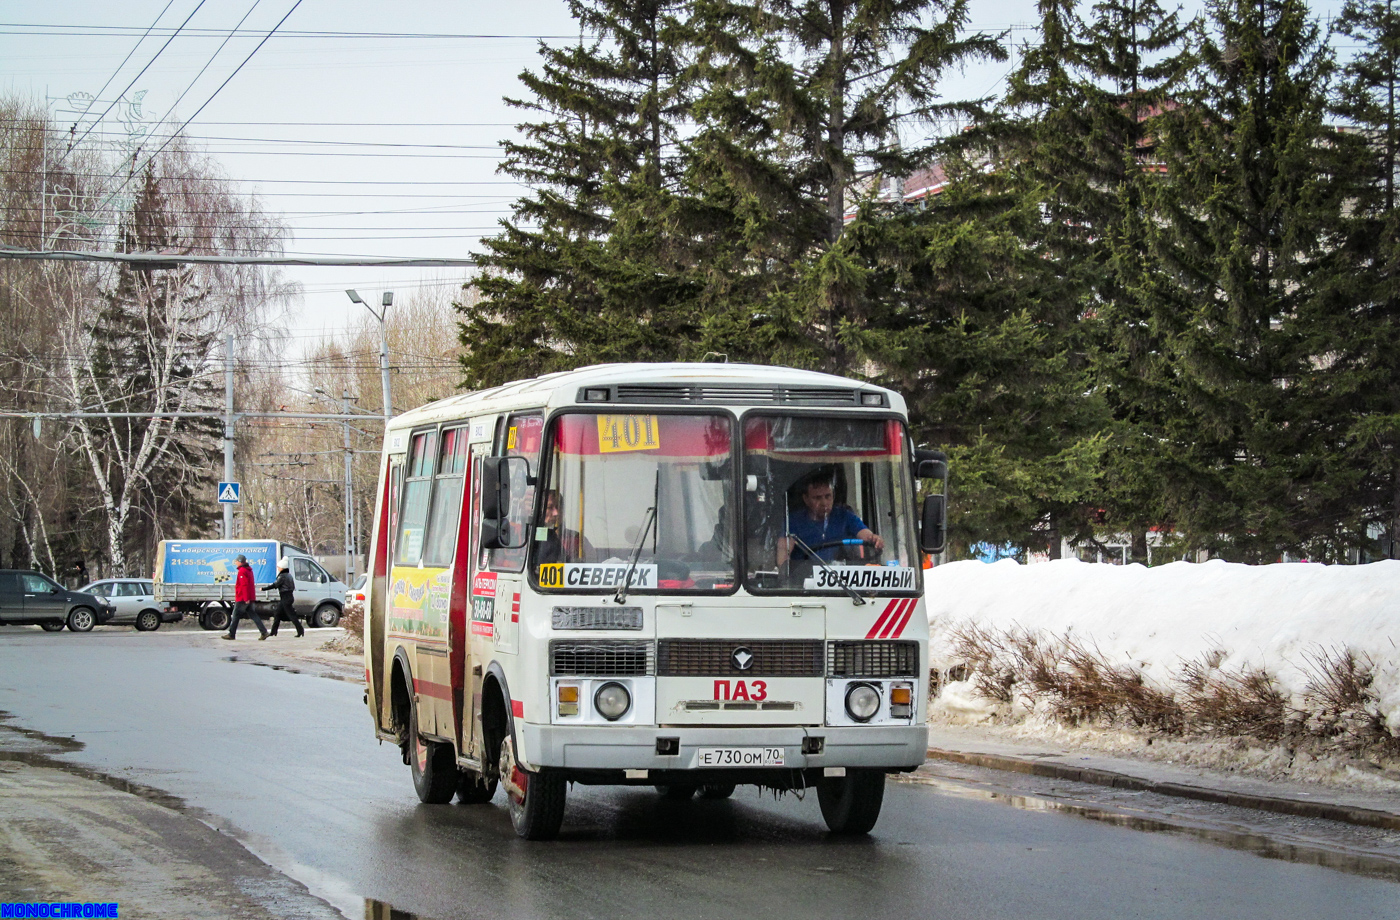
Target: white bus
point(688, 576)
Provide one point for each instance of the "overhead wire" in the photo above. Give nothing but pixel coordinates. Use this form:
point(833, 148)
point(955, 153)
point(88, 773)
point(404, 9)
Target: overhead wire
point(73, 146)
point(176, 133)
point(98, 96)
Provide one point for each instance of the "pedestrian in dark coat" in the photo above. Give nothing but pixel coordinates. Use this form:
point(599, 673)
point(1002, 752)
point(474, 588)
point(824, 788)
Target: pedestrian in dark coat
point(245, 593)
point(286, 587)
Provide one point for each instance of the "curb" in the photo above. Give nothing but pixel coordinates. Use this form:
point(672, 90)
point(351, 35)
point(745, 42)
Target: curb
point(1366, 817)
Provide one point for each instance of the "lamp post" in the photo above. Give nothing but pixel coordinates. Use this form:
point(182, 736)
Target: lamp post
point(383, 346)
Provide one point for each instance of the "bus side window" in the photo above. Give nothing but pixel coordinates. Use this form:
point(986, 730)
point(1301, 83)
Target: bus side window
point(522, 436)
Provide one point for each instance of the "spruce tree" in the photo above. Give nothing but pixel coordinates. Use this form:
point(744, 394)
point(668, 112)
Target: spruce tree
point(804, 100)
point(595, 263)
point(1363, 369)
point(1244, 223)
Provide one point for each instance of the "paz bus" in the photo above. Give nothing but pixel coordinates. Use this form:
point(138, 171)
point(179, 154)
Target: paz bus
point(686, 576)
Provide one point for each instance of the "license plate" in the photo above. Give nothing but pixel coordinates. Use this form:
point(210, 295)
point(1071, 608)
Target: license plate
point(739, 757)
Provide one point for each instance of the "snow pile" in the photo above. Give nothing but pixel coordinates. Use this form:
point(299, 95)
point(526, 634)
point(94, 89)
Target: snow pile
point(1157, 619)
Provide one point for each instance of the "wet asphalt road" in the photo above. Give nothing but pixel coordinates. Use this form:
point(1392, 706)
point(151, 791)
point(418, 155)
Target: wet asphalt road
point(288, 764)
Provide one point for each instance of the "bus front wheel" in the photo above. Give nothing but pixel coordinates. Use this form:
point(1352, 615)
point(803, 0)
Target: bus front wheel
point(851, 803)
point(535, 800)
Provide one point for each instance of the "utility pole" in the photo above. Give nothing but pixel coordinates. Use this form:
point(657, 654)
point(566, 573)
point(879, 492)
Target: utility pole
point(349, 505)
point(228, 430)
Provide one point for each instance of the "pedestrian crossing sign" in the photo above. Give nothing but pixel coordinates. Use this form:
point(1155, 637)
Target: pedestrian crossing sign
point(230, 493)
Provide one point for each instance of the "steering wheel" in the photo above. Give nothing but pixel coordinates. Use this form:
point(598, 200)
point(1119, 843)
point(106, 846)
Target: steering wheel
point(870, 554)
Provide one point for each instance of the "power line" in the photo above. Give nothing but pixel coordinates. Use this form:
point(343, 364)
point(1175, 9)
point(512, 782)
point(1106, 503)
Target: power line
point(96, 98)
point(150, 159)
point(73, 146)
point(92, 30)
point(162, 260)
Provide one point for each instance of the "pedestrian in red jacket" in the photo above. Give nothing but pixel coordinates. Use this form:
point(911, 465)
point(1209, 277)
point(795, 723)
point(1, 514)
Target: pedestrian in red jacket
point(245, 592)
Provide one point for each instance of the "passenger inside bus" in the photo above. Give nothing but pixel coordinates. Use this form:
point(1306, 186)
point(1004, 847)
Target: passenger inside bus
point(829, 530)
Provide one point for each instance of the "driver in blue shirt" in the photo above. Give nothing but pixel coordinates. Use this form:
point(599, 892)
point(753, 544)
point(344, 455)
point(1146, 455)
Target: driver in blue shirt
point(821, 521)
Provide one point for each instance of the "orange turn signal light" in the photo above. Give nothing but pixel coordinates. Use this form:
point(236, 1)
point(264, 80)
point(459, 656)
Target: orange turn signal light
point(901, 696)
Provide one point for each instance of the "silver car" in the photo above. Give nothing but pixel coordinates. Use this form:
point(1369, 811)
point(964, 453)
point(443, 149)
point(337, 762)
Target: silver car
point(135, 601)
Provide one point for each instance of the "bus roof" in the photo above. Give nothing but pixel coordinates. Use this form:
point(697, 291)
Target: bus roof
point(660, 384)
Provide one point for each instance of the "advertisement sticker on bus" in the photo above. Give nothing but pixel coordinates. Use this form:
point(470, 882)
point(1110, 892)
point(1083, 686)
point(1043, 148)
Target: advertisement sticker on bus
point(484, 604)
point(418, 603)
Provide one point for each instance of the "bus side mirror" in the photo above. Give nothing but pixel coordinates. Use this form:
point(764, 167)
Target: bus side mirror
point(497, 530)
point(930, 464)
point(933, 524)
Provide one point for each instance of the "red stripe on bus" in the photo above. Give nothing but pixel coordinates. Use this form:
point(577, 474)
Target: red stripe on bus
point(436, 691)
point(879, 624)
point(897, 631)
point(896, 609)
point(517, 709)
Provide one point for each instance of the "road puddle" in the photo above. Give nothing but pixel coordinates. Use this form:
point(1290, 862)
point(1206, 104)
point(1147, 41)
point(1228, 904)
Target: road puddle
point(1285, 844)
point(28, 746)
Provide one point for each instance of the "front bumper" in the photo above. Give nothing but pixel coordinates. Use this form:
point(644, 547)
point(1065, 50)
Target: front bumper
point(625, 747)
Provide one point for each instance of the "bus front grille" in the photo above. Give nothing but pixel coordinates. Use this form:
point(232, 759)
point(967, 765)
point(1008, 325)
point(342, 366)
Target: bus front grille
point(716, 657)
point(601, 659)
point(879, 658)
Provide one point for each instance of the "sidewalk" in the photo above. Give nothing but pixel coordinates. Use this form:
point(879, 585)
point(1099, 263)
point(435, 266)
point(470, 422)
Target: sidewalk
point(1048, 759)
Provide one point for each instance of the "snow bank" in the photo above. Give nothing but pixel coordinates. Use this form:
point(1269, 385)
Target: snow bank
point(1158, 618)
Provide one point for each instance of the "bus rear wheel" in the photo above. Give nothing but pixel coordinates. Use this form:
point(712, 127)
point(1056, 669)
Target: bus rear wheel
point(851, 803)
point(434, 770)
point(535, 800)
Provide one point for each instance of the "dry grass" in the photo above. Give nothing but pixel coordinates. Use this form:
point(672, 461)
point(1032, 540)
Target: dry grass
point(1076, 683)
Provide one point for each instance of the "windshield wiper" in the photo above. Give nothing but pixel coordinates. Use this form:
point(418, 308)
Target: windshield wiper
point(822, 562)
point(621, 596)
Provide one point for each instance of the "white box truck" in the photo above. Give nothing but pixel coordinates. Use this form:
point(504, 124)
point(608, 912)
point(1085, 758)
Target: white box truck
point(196, 577)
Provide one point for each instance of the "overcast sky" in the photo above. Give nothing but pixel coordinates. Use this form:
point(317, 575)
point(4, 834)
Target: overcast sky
point(311, 122)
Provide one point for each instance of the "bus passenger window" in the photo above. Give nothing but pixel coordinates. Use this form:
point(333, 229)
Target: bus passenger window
point(413, 520)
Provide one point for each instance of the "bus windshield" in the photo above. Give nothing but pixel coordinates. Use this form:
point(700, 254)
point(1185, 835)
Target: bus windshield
point(654, 488)
point(827, 506)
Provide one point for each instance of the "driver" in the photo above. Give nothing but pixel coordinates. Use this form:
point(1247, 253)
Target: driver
point(820, 521)
point(560, 544)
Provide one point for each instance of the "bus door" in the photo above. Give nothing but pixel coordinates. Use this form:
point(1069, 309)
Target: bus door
point(522, 436)
point(376, 609)
point(480, 603)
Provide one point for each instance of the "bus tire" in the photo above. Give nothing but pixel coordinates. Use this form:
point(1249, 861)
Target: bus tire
point(474, 789)
point(535, 800)
point(851, 803)
point(717, 791)
point(433, 766)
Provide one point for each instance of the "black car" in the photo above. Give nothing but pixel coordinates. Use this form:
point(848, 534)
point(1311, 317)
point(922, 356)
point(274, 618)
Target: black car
point(28, 598)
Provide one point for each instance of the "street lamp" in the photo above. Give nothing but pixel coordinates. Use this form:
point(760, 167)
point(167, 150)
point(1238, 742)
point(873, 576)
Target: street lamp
point(383, 346)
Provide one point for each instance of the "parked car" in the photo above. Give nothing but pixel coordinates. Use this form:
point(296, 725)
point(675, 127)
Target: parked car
point(29, 598)
point(355, 597)
point(135, 602)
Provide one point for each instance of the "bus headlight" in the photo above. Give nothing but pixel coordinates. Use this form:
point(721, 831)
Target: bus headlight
point(611, 701)
point(862, 702)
